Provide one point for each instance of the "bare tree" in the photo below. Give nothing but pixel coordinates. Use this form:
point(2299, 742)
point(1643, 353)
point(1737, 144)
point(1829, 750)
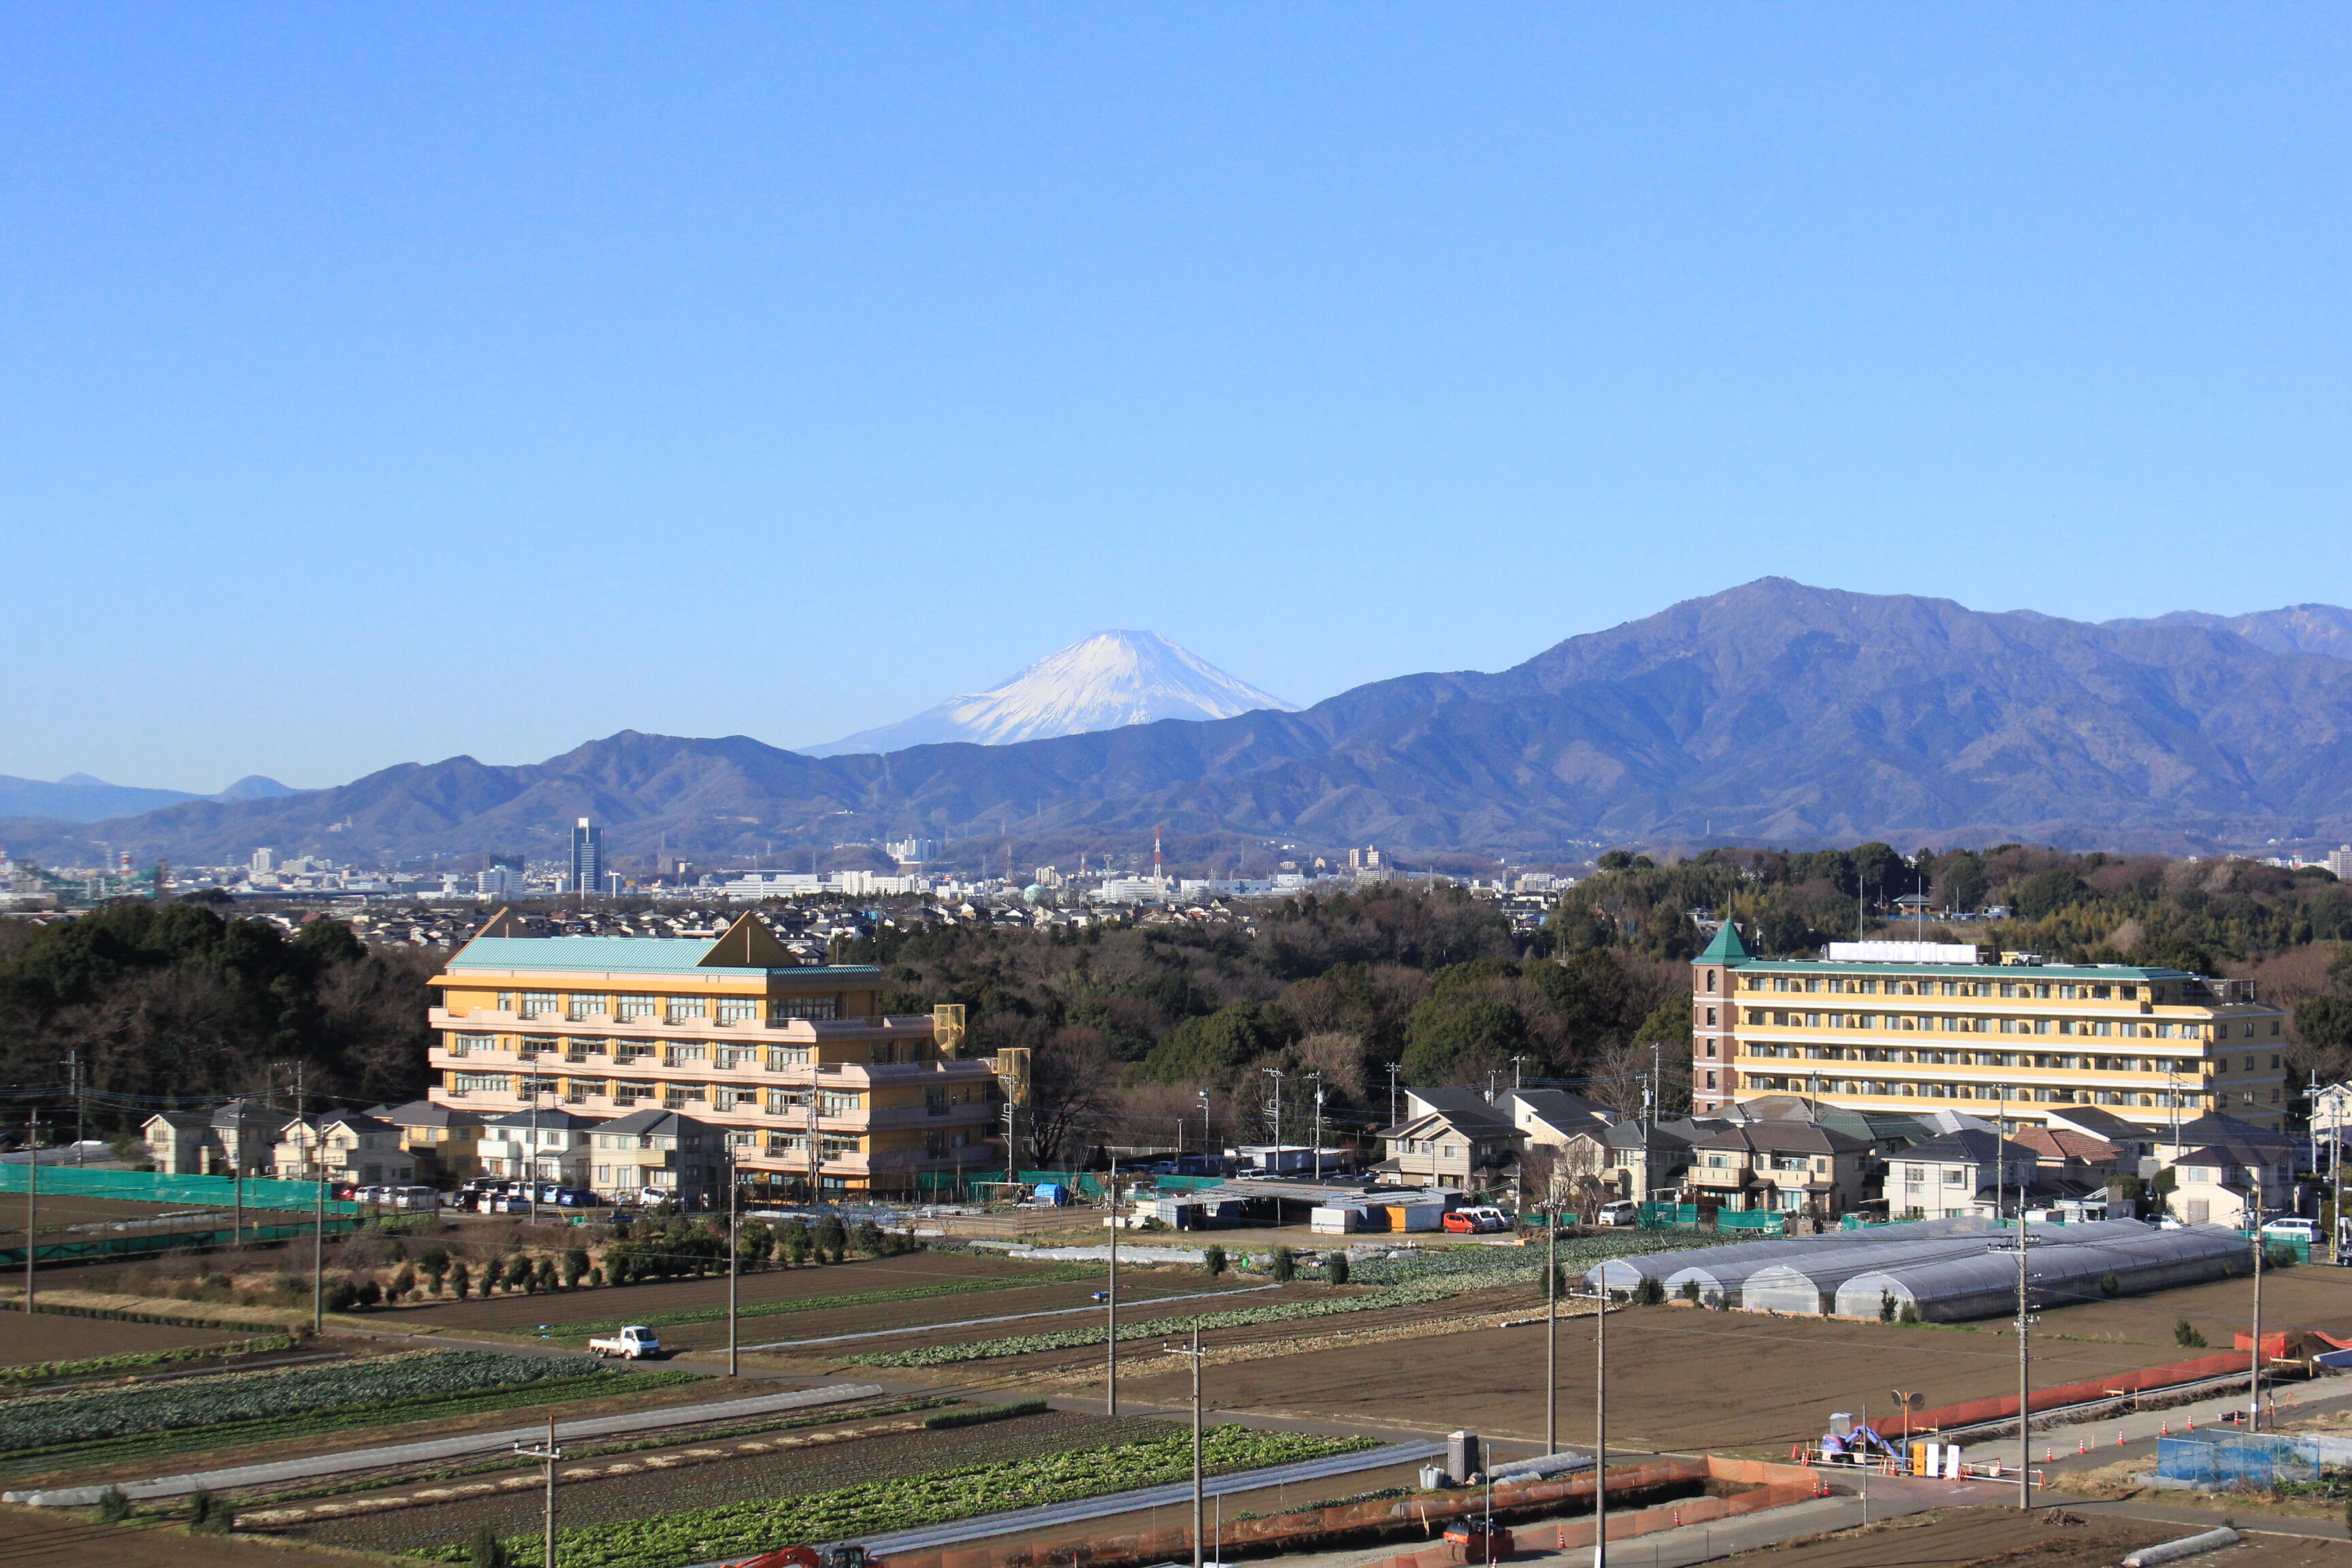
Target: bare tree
point(1073, 1088)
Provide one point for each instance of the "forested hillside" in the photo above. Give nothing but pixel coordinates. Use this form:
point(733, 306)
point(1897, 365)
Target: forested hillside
point(1131, 1024)
point(179, 1001)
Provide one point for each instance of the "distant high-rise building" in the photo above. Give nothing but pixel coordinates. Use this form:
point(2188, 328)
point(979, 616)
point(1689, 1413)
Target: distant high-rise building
point(497, 882)
point(265, 860)
point(912, 851)
point(587, 859)
point(2340, 862)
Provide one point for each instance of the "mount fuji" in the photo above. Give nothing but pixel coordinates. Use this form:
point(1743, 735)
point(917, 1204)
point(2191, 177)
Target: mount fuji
point(1103, 682)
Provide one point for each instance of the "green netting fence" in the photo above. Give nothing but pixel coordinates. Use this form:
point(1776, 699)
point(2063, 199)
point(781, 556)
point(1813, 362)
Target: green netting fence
point(143, 1244)
point(1686, 1217)
point(155, 1187)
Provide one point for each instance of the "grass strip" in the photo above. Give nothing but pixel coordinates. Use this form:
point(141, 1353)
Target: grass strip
point(1160, 1328)
point(594, 1326)
point(984, 1413)
point(731, 1529)
point(131, 1361)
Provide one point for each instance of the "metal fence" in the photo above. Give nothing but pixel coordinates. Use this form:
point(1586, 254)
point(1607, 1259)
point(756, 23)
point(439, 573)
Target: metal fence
point(155, 1187)
point(2248, 1458)
point(1686, 1217)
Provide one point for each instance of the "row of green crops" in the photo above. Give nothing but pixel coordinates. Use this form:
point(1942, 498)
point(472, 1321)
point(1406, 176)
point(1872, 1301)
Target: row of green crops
point(734, 1529)
point(45, 1421)
point(1162, 1328)
point(1045, 1276)
point(1506, 1265)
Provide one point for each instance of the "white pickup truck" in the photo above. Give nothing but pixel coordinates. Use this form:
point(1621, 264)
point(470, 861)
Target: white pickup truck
point(635, 1342)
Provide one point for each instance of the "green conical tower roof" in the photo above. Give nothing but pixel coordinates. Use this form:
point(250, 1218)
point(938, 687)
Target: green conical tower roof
point(1726, 947)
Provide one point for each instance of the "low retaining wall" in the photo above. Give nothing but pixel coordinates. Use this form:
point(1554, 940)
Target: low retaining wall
point(1774, 1485)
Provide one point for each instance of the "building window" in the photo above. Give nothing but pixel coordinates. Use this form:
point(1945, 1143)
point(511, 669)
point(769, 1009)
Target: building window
point(630, 1009)
point(681, 1055)
point(738, 1009)
point(459, 1044)
point(538, 1003)
point(803, 1007)
point(679, 1009)
point(481, 1083)
point(583, 1009)
point(783, 1057)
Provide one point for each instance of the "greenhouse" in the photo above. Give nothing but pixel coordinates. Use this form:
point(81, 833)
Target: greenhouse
point(1724, 1275)
point(1954, 1289)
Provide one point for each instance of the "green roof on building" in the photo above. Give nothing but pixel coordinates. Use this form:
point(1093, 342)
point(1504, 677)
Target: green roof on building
point(1726, 947)
point(642, 954)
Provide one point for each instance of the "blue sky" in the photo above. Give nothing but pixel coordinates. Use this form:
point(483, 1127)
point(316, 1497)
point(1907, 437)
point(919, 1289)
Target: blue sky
point(378, 383)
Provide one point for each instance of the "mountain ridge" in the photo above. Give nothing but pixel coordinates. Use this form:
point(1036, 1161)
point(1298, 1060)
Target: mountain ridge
point(1102, 681)
point(1769, 713)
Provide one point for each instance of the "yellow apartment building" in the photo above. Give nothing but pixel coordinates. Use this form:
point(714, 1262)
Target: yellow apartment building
point(812, 1085)
point(1924, 1026)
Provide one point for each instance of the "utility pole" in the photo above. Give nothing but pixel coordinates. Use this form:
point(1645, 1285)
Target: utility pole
point(816, 1169)
point(1193, 1355)
point(1392, 1093)
point(1551, 1312)
point(73, 1080)
point(1110, 1299)
point(1278, 1074)
point(2024, 1244)
point(1009, 1154)
point(549, 1453)
point(32, 1200)
point(1600, 1428)
point(734, 1252)
point(1318, 1126)
point(2254, 1380)
point(1208, 1146)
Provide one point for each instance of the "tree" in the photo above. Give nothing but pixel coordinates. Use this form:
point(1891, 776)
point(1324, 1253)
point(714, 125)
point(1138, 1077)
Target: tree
point(1212, 1259)
point(485, 1550)
point(1073, 1084)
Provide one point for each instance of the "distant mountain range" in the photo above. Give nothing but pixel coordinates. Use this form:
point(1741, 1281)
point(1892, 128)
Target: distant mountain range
point(1104, 682)
point(1772, 712)
point(77, 797)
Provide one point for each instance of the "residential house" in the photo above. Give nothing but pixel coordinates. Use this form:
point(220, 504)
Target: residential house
point(660, 1150)
point(2223, 1168)
point(1959, 1173)
point(443, 1140)
point(1449, 1137)
point(540, 1145)
point(1791, 1166)
point(345, 1147)
point(237, 1136)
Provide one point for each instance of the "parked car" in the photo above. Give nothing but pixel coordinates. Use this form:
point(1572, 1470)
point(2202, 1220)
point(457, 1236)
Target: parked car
point(2292, 1227)
point(1619, 1211)
point(1476, 1220)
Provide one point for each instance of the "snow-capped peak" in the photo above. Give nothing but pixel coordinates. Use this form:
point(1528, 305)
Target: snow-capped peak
point(1101, 682)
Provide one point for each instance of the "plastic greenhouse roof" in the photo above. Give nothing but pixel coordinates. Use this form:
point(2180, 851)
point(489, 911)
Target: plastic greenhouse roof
point(1986, 1283)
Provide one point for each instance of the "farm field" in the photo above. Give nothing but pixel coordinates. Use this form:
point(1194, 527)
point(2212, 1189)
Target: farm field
point(623, 1391)
point(1680, 1380)
point(787, 1474)
point(1958, 1538)
point(984, 1275)
point(2309, 1295)
point(48, 1336)
point(54, 1538)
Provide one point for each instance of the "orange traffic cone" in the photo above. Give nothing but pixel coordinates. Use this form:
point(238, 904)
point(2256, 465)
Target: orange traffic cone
point(2080, 1446)
point(2168, 1429)
point(2119, 1437)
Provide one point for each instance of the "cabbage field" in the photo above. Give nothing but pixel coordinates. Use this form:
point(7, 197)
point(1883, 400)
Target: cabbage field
point(735, 1530)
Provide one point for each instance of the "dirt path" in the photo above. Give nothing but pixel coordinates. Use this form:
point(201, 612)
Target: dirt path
point(1959, 1538)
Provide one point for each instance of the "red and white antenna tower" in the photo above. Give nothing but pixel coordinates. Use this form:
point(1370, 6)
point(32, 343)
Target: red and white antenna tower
point(1155, 852)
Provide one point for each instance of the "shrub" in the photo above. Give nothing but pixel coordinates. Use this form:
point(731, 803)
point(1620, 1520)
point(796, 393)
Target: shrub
point(369, 1294)
point(403, 1283)
point(544, 1277)
point(461, 1280)
point(1887, 1306)
point(2185, 1334)
point(113, 1508)
point(986, 1413)
point(209, 1513)
point(485, 1550)
point(869, 1238)
point(831, 1239)
point(1285, 1266)
point(575, 1268)
point(342, 1295)
point(1649, 1292)
point(794, 1241)
point(1334, 1268)
point(2278, 1255)
point(1213, 1258)
point(2109, 1286)
point(1909, 1314)
point(1690, 1291)
point(519, 1274)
